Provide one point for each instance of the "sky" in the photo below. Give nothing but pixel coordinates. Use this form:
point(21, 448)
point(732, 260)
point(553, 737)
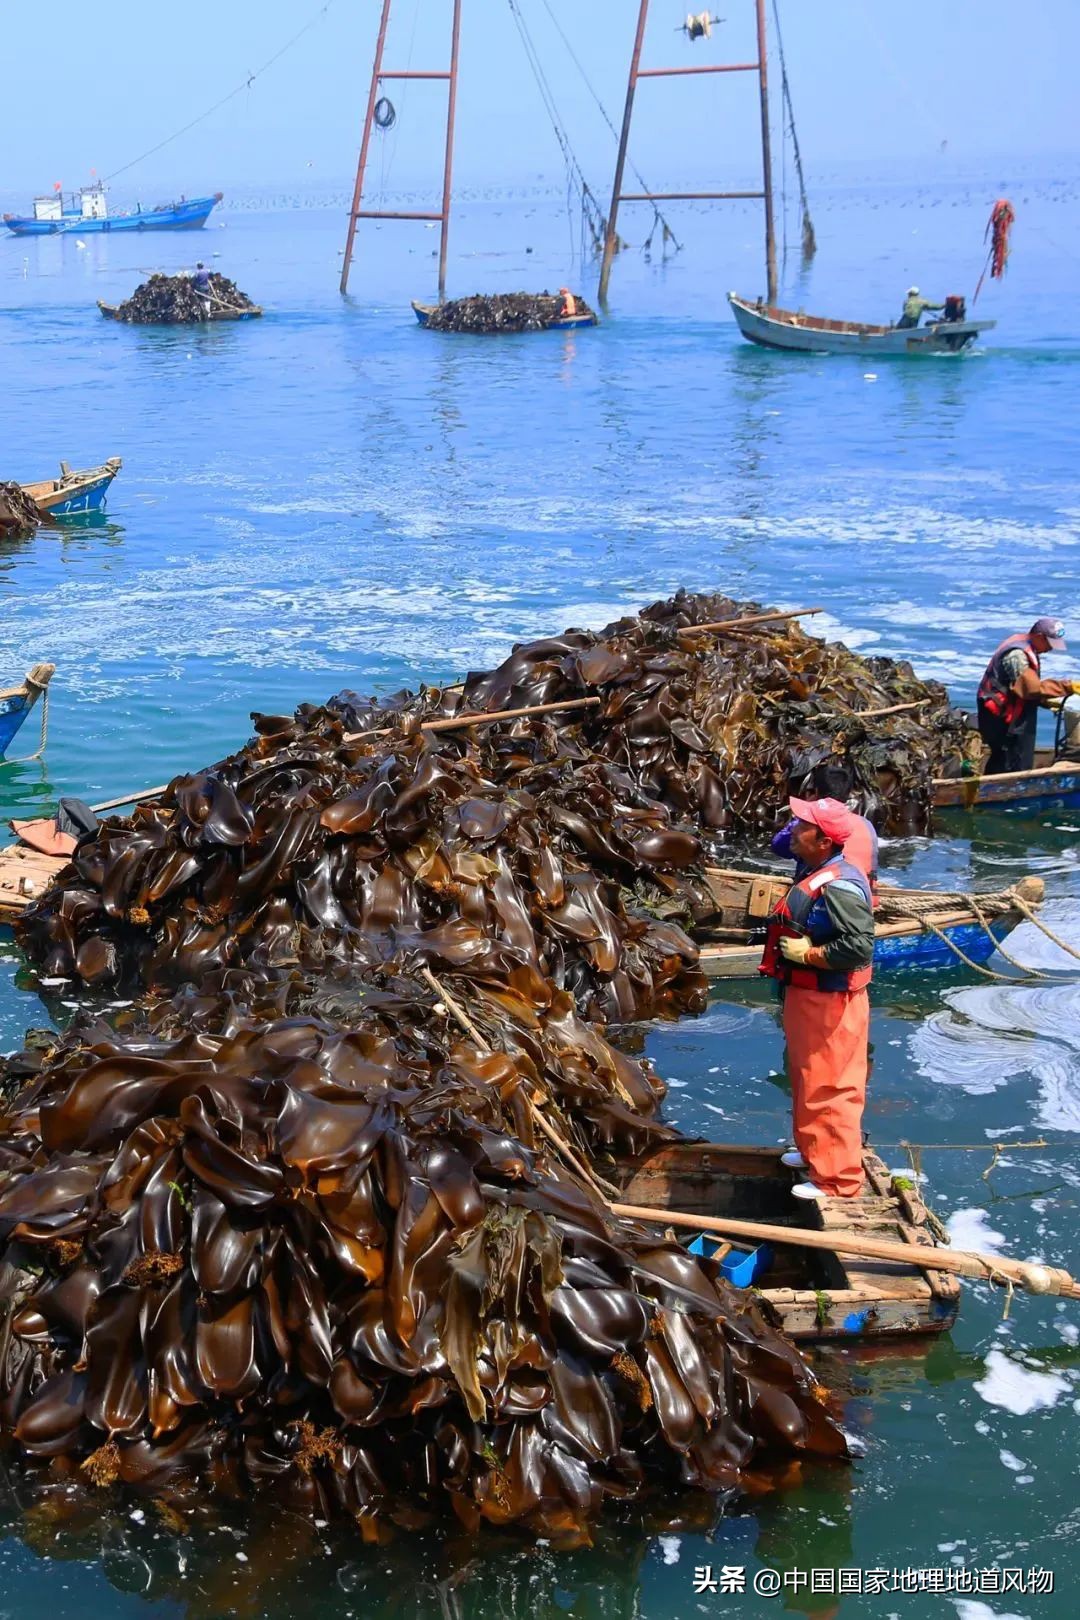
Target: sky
point(874, 86)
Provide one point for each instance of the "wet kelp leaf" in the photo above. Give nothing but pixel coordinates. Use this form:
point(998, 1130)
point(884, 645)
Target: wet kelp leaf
point(377, 1297)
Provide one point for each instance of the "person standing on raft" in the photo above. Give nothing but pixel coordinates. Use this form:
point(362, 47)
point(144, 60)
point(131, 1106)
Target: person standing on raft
point(1011, 693)
point(834, 779)
point(819, 947)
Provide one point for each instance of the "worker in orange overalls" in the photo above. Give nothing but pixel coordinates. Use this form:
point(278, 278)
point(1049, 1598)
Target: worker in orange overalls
point(819, 946)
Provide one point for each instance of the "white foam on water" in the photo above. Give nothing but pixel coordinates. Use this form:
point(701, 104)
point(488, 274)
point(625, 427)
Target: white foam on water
point(973, 1609)
point(971, 1229)
point(1011, 1460)
point(670, 1547)
point(1017, 1388)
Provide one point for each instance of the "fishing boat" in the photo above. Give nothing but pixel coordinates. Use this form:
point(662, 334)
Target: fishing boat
point(220, 312)
point(16, 702)
point(1053, 784)
point(813, 1295)
point(915, 929)
point(561, 323)
point(775, 328)
point(88, 212)
point(74, 492)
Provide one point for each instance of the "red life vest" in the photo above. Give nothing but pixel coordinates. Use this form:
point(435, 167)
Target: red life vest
point(861, 850)
point(995, 692)
point(789, 921)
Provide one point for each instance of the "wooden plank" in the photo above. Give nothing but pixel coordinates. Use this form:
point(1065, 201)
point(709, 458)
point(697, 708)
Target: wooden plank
point(25, 874)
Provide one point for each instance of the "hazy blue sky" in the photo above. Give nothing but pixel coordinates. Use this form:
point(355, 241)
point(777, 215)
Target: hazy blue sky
point(93, 86)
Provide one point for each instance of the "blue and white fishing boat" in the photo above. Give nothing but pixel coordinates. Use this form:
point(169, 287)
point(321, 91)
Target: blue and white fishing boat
point(915, 929)
point(773, 328)
point(16, 702)
point(73, 492)
point(1053, 784)
point(88, 211)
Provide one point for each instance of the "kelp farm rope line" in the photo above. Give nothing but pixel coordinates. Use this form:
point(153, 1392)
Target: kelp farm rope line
point(245, 84)
point(809, 239)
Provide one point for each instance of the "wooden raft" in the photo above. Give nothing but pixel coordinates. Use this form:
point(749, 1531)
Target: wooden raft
point(813, 1296)
point(25, 874)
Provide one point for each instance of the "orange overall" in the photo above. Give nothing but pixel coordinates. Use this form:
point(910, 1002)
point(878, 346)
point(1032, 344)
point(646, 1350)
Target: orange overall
point(827, 1027)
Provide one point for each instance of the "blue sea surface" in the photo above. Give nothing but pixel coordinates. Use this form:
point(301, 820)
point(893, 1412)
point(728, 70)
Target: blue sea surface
point(330, 497)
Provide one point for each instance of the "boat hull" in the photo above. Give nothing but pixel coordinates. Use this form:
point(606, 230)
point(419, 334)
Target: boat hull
point(563, 323)
point(186, 216)
point(744, 900)
point(112, 313)
point(76, 493)
point(814, 1296)
point(13, 711)
point(764, 326)
point(1052, 785)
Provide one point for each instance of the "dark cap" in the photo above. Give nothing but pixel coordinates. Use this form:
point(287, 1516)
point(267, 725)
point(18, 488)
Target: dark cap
point(1053, 630)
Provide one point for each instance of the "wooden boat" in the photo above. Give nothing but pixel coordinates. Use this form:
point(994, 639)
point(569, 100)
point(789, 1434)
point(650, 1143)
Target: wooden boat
point(812, 1295)
point(775, 328)
point(731, 942)
point(1054, 784)
point(74, 492)
point(16, 702)
point(562, 323)
point(25, 874)
point(88, 213)
point(218, 313)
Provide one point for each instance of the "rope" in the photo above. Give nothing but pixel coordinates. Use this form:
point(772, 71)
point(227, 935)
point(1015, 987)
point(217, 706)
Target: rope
point(25, 759)
point(809, 240)
point(658, 217)
point(1070, 950)
point(244, 85)
point(592, 214)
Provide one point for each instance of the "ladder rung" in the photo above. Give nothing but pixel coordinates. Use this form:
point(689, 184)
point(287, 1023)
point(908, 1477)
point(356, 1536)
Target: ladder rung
point(684, 196)
point(386, 213)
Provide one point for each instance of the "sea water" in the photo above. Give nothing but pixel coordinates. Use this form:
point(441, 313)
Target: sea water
point(331, 497)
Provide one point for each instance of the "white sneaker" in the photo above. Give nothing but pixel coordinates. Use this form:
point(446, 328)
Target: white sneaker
point(793, 1159)
point(807, 1189)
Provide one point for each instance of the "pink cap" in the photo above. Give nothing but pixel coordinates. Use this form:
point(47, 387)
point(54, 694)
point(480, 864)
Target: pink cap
point(835, 819)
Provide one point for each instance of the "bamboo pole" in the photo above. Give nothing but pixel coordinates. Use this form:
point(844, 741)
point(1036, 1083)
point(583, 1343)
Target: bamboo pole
point(130, 798)
point(485, 717)
point(1035, 1278)
point(1059, 767)
point(896, 708)
point(753, 618)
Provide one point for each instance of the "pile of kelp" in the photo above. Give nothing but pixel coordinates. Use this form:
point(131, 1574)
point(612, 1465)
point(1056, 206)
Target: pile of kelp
point(501, 312)
point(176, 301)
point(531, 853)
point(19, 515)
point(334, 1263)
point(323, 1212)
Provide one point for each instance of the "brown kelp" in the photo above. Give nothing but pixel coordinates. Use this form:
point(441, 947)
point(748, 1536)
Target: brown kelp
point(501, 312)
point(335, 1263)
point(19, 514)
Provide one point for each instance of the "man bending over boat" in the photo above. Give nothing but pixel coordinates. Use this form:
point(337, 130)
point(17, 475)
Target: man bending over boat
point(1012, 691)
point(819, 947)
point(915, 307)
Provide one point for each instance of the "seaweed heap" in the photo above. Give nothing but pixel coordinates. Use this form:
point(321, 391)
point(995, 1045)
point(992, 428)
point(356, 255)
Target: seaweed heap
point(174, 301)
point(19, 515)
point(501, 312)
point(277, 1254)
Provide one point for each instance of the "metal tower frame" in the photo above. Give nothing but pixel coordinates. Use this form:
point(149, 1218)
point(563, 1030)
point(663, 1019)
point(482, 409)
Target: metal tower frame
point(450, 77)
point(618, 195)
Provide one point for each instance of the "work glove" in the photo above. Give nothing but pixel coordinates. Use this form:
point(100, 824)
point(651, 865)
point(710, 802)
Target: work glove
point(795, 950)
point(1054, 703)
point(1074, 688)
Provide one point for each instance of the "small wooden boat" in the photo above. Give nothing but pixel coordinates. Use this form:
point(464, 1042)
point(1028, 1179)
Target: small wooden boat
point(561, 323)
point(1054, 784)
point(220, 312)
point(88, 213)
point(25, 874)
point(731, 942)
point(74, 492)
point(16, 702)
point(811, 1295)
point(775, 328)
